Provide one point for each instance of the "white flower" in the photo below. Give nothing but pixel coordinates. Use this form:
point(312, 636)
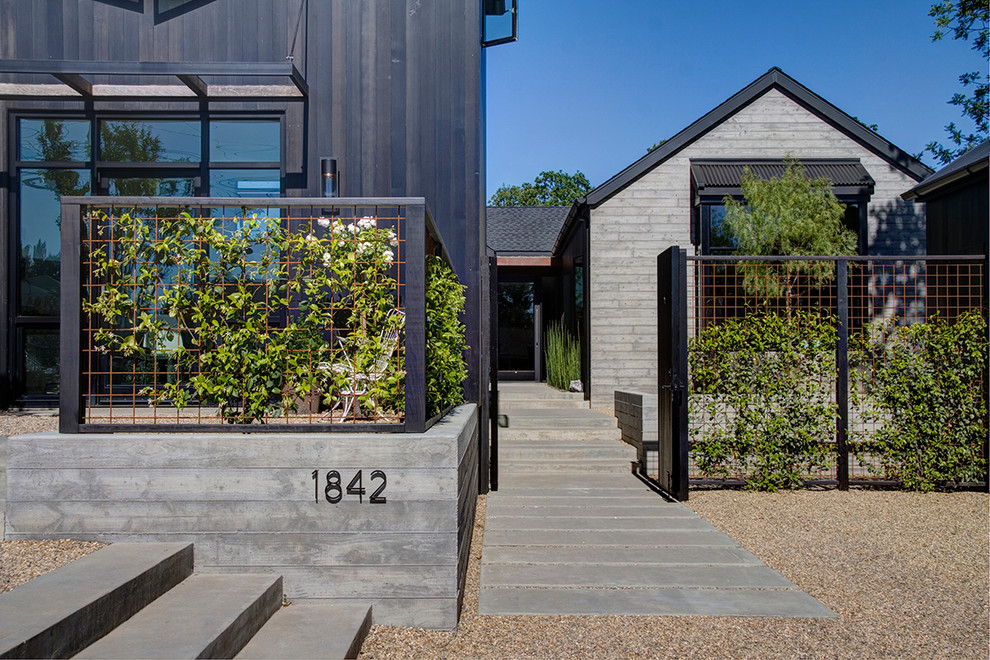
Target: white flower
point(367, 222)
point(338, 226)
point(310, 238)
point(364, 245)
point(389, 256)
point(353, 228)
point(341, 243)
point(326, 258)
point(323, 222)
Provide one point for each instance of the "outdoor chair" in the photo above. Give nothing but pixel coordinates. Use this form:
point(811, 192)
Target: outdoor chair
point(358, 380)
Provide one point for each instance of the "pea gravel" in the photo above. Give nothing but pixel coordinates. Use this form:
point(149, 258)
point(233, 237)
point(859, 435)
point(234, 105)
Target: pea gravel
point(907, 574)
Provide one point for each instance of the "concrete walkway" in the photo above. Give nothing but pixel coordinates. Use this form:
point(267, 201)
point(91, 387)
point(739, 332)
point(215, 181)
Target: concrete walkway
point(572, 531)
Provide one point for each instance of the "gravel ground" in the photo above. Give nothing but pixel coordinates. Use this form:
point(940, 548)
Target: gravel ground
point(15, 423)
point(907, 574)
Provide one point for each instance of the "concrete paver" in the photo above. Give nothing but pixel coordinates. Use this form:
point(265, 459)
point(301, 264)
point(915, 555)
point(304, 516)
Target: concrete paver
point(572, 531)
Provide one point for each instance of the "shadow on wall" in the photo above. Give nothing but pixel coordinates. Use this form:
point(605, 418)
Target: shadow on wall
point(900, 229)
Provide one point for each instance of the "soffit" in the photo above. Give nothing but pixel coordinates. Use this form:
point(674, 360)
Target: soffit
point(69, 79)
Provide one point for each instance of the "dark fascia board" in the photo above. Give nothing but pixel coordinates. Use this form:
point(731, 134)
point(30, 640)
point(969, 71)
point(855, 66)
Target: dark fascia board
point(972, 162)
point(772, 79)
point(74, 83)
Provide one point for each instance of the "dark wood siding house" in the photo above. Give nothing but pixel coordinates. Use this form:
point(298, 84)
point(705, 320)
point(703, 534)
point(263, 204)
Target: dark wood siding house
point(956, 204)
point(229, 98)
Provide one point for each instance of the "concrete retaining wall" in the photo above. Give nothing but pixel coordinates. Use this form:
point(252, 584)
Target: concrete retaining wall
point(637, 414)
point(249, 502)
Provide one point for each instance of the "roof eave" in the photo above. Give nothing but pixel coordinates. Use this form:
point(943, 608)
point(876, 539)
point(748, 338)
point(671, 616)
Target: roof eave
point(772, 79)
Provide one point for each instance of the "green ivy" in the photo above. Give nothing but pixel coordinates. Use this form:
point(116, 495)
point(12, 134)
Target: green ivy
point(923, 386)
point(446, 368)
point(761, 401)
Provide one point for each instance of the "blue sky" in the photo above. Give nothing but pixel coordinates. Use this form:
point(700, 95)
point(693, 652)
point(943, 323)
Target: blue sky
point(590, 85)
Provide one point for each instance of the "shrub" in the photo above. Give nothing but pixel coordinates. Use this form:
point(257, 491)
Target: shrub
point(563, 356)
point(923, 384)
point(445, 337)
point(761, 398)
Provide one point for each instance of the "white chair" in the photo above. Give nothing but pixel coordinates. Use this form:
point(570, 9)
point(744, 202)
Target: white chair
point(357, 380)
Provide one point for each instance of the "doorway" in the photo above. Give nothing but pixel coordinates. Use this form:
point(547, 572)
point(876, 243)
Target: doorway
point(520, 346)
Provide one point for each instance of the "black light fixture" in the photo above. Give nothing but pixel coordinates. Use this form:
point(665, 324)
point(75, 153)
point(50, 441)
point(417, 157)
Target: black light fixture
point(330, 182)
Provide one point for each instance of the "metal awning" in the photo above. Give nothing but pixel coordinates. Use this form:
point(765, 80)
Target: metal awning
point(176, 80)
point(723, 177)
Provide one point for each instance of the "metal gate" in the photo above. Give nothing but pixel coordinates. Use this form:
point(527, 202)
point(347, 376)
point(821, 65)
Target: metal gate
point(672, 401)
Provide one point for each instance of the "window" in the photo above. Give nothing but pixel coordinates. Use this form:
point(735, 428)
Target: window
point(132, 156)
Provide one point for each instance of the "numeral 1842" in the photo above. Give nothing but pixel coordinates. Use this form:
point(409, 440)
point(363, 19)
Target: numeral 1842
point(334, 490)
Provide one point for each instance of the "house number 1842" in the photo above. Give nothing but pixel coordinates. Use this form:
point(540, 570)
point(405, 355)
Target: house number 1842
point(334, 489)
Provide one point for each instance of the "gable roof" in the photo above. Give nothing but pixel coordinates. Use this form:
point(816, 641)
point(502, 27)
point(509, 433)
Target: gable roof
point(525, 230)
point(772, 79)
point(971, 162)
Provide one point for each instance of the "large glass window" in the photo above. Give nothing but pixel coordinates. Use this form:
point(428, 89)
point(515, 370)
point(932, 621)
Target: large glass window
point(150, 141)
point(245, 141)
point(40, 246)
point(54, 140)
point(55, 157)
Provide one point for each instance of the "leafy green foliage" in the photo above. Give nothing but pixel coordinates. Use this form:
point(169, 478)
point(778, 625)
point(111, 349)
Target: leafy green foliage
point(563, 356)
point(549, 189)
point(923, 385)
point(215, 288)
point(965, 19)
point(787, 216)
point(445, 337)
point(761, 398)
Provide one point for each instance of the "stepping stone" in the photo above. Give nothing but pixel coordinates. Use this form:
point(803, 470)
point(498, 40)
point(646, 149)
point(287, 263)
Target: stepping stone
point(59, 613)
point(206, 616)
point(311, 629)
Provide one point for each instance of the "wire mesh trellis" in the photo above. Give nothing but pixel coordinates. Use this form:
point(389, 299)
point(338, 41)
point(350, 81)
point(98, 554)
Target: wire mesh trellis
point(205, 313)
point(780, 375)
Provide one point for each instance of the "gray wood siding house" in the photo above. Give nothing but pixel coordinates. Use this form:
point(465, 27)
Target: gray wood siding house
point(656, 203)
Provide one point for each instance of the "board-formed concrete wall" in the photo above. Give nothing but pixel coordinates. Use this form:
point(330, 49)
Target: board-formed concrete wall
point(250, 503)
point(638, 417)
point(652, 213)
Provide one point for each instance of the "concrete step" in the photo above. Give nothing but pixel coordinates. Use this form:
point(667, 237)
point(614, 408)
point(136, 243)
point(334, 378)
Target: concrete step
point(522, 391)
point(562, 466)
point(515, 434)
point(58, 614)
point(515, 404)
point(657, 602)
point(561, 420)
point(633, 576)
point(206, 616)
point(311, 630)
point(613, 451)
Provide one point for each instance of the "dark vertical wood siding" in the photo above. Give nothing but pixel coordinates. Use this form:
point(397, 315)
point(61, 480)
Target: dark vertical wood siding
point(395, 93)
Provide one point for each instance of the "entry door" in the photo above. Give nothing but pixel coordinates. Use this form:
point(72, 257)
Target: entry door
point(519, 345)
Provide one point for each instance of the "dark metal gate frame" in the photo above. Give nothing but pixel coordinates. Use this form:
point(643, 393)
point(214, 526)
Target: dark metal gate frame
point(672, 400)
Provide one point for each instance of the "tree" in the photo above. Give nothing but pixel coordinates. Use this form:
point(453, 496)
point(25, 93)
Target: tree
point(964, 19)
point(787, 216)
point(655, 146)
point(549, 189)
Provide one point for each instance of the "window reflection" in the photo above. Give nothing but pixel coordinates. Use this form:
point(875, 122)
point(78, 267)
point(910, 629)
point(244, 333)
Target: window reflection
point(245, 141)
point(41, 362)
point(40, 247)
point(149, 141)
point(54, 140)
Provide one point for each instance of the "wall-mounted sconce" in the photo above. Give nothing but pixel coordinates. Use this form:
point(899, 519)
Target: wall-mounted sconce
point(330, 181)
